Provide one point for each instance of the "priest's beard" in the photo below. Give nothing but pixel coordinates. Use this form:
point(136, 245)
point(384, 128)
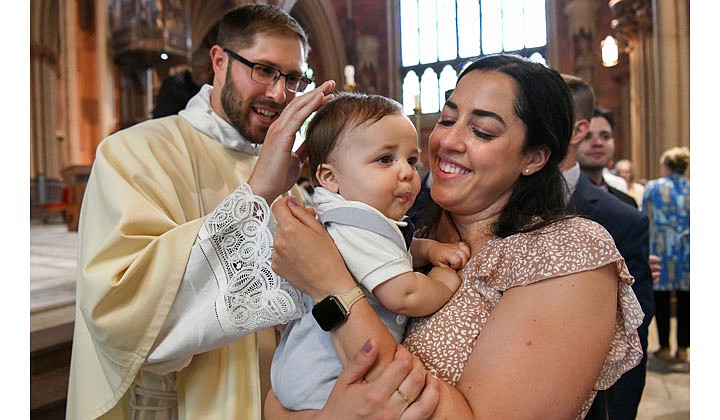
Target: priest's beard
point(237, 111)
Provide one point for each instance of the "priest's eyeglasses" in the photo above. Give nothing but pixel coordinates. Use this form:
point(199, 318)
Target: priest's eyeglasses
point(261, 73)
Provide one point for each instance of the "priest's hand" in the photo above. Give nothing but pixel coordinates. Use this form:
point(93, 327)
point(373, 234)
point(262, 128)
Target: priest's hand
point(278, 167)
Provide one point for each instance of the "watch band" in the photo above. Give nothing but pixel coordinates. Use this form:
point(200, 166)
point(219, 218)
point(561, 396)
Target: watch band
point(332, 311)
point(349, 298)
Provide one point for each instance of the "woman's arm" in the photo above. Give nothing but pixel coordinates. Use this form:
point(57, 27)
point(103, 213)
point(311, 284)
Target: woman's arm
point(540, 353)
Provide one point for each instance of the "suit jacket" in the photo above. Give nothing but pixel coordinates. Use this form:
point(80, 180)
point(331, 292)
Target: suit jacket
point(630, 229)
point(625, 198)
point(423, 200)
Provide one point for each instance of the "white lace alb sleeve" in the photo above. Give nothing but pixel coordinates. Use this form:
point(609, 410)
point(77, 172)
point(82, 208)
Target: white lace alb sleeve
point(228, 289)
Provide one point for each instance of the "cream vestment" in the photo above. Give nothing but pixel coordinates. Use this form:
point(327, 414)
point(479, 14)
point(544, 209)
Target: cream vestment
point(174, 262)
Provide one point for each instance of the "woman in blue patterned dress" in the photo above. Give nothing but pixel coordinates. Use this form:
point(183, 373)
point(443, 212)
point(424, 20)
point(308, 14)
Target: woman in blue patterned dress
point(667, 203)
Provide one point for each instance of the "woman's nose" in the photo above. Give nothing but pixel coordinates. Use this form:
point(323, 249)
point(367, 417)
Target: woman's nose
point(448, 138)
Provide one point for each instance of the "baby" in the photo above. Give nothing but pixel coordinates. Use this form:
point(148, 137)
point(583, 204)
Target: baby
point(363, 151)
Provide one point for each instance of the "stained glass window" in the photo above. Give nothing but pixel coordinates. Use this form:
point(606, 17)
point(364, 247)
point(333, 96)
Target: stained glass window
point(439, 36)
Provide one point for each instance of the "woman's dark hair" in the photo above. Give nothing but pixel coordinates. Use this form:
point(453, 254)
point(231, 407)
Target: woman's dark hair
point(544, 103)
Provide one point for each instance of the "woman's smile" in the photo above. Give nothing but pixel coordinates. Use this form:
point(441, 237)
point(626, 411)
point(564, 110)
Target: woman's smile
point(451, 168)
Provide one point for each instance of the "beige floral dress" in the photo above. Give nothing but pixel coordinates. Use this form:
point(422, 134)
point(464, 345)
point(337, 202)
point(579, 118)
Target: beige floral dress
point(569, 246)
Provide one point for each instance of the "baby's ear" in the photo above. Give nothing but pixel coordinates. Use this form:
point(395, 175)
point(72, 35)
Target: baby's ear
point(325, 175)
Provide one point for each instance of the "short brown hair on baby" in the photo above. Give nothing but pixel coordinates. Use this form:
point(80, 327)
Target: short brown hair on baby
point(345, 111)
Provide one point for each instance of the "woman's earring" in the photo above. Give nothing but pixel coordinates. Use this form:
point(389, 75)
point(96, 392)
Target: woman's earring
point(526, 171)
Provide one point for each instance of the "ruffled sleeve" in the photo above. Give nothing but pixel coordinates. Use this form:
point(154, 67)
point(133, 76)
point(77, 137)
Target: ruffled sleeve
point(570, 246)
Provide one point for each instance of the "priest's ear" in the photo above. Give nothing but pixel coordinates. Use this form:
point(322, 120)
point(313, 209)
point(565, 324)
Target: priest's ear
point(325, 175)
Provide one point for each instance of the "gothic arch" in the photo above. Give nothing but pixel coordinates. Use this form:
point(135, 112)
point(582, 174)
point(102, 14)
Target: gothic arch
point(204, 15)
point(329, 55)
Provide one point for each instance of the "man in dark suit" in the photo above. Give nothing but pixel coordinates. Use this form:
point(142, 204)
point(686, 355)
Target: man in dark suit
point(596, 151)
point(629, 229)
point(423, 200)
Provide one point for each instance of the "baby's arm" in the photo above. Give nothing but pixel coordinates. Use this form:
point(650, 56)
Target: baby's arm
point(440, 254)
point(416, 294)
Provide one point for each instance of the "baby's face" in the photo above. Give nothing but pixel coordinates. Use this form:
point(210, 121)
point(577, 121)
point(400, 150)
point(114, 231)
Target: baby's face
point(375, 163)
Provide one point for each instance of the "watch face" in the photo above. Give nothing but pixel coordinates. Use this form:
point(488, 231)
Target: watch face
point(329, 313)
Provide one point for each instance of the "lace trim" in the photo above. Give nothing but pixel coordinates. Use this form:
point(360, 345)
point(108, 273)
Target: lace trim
point(251, 295)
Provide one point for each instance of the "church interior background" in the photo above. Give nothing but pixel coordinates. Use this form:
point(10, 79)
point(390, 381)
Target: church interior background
point(96, 67)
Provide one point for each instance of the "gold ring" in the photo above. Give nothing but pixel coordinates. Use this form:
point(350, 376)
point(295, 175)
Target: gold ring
point(403, 396)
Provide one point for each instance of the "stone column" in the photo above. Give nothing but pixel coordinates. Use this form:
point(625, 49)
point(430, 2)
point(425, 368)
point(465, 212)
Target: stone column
point(581, 30)
point(643, 119)
point(106, 118)
point(672, 81)
point(632, 25)
point(45, 145)
point(71, 103)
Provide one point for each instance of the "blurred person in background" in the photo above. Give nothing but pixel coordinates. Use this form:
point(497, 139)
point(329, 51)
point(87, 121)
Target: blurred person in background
point(624, 169)
point(667, 203)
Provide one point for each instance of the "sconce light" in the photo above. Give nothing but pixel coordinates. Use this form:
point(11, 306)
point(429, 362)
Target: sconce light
point(349, 72)
point(610, 51)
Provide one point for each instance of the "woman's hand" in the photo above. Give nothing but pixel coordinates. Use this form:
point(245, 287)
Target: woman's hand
point(655, 267)
point(404, 390)
point(305, 255)
point(278, 167)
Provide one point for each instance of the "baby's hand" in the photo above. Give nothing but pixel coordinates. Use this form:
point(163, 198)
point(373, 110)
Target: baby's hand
point(453, 255)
